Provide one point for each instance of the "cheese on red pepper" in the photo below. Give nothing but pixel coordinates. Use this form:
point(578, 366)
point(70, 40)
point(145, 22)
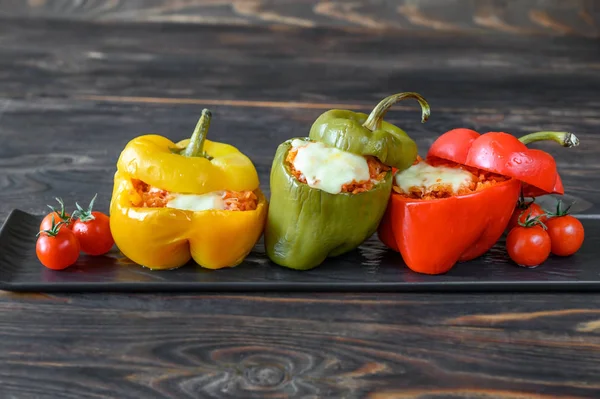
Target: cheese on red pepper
point(427, 178)
point(328, 168)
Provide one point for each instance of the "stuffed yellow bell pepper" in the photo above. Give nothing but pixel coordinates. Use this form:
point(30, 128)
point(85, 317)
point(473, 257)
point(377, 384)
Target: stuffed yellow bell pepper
point(195, 199)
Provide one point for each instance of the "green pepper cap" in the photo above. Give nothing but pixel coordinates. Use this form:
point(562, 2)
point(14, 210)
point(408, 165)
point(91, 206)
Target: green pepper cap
point(364, 134)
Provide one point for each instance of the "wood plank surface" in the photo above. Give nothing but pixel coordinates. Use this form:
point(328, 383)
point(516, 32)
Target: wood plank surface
point(112, 83)
point(288, 346)
point(518, 17)
point(73, 93)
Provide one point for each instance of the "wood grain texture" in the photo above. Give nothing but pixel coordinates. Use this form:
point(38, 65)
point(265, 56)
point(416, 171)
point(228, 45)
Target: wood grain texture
point(523, 17)
point(115, 82)
point(65, 115)
point(331, 346)
point(33, 173)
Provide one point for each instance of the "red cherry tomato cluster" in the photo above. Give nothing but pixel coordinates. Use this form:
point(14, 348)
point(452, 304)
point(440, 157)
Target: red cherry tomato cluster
point(64, 236)
point(534, 234)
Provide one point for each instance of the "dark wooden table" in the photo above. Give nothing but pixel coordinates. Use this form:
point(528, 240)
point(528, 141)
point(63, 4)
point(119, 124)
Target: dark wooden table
point(73, 93)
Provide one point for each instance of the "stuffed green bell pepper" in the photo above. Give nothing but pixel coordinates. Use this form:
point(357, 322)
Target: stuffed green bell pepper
point(330, 190)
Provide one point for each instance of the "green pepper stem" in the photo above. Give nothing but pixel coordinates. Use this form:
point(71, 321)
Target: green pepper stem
point(375, 119)
point(195, 148)
point(563, 138)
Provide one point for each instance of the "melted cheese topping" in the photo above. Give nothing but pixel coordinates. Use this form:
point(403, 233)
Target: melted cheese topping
point(427, 177)
point(195, 202)
point(328, 168)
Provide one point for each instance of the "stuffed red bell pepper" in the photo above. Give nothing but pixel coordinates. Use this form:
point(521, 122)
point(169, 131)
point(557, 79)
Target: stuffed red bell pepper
point(454, 205)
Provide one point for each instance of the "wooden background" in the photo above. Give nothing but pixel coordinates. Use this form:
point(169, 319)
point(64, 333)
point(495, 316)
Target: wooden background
point(74, 91)
point(528, 17)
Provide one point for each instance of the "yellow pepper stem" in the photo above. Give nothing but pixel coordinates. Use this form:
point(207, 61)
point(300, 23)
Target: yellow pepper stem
point(375, 118)
point(195, 148)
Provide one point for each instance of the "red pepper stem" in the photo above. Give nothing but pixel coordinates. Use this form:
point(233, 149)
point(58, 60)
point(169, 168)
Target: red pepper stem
point(565, 139)
point(375, 119)
point(195, 147)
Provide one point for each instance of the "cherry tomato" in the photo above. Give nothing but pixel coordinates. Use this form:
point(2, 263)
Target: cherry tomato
point(522, 211)
point(59, 216)
point(92, 229)
point(566, 233)
point(528, 246)
point(94, 235)
point(57, 248)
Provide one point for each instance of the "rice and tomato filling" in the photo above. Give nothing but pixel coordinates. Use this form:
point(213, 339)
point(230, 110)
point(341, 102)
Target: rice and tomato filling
point(146, 196)
point(437, 179)
point(333, 170)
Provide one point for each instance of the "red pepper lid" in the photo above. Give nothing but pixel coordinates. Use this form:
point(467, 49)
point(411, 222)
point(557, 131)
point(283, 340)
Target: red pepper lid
point(500, 153)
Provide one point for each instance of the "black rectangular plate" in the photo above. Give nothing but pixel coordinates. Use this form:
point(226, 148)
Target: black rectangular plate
point(370, 268)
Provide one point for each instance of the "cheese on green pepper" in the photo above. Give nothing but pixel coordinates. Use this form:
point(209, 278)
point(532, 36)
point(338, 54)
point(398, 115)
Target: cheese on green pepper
point(328, 168)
